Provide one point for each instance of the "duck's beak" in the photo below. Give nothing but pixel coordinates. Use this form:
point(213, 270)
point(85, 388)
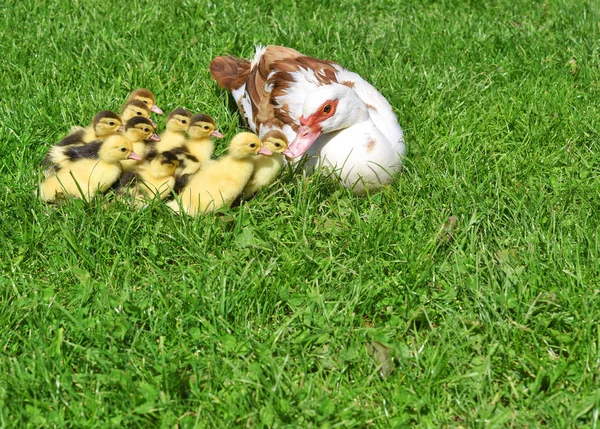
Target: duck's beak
point(264, 151)
point(121, 128)
point(152, 122)
point(134, 156)
point(304, 139)
point(154, 137)
point(156, 109)
point(217, 134)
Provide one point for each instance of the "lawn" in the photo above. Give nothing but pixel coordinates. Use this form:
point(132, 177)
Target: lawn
point(477, 269)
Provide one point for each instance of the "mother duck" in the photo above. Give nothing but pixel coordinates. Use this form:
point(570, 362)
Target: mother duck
point(331, 115)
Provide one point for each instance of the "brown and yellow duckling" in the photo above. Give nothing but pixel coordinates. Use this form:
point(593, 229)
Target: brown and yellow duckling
point(140, 133)
point(145, 96)
point(104, 124)
point(177, 124)
point(88, 169)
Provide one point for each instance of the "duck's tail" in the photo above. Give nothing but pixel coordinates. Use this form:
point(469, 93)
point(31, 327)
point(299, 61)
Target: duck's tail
point(230, 72)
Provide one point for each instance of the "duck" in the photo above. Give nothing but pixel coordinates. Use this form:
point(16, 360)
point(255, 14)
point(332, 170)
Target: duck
point(267, 168)
point(200, 146)
point(152, 179)
point(88, 169)
point(135, 108)
point(145, 96)
point(221, 181)
point(176, 126)
point(333, 118)
point(104, 124)
point(140, 133)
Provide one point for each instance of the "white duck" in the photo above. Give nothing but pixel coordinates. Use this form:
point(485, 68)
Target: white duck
point(331, 115)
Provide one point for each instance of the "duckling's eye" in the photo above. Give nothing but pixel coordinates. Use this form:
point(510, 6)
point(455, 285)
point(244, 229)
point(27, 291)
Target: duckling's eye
point(252, 145)
point(327, 108)
point(123, 149)
point(206, 127)
point(184, 121)
point(145, 101)
point(146, 130)
point(111, 123)
point(139, 113)
point(277, 145)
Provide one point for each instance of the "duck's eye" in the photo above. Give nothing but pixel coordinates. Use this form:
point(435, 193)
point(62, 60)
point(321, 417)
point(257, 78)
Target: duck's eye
point(277, 145)
point(145, 101)
point(139, 113)
point(111, 123)
point(184, 122)
point(252, 145)
point(327, 108)
point(123, 149)
point(206, 127)
point(146, 130)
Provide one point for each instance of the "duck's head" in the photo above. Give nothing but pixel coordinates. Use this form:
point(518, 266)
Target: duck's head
point(118, 149)
point(146, 97)
point(245, 145)
point(107, 123)
point(327, 109)
point(135, 109)
point(275, 141)
point(178, 120)
point(139, 129)
point(165, 163)
point(202, 126)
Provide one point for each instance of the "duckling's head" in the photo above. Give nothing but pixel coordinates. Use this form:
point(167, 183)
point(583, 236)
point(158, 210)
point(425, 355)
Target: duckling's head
point(178, 120)
point(275, 141)
point(245, 145)
point(106, 123)
point(117, 149)
point(135, 109)
point(139, 129)
point(202, 126)
point(146, 97)
point(165, 163)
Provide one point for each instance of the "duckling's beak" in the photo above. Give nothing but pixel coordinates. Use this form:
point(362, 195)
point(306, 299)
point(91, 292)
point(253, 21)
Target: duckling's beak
point(304, 139)
point(152, 122)
point(217, 134)
point(134, 156)
point(156, 109)
point(121, 128)
point(264, 151)
point(154, 137)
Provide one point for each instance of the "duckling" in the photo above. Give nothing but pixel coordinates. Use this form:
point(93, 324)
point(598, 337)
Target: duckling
point(266, 168)
point(199, 147)
point(140, 133)
point(155, 178)
point(147, 98)
point(177, 124)
point(104, 124)
point(222, 180)
point(90, 168)
point(134, 109)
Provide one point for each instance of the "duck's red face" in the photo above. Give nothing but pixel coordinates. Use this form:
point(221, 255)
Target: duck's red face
point(310, 129)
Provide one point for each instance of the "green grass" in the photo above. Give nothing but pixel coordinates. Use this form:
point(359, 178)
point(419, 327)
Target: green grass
point(261, 316)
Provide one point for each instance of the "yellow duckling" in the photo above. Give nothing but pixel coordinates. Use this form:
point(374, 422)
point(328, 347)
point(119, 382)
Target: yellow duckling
point(176, 126)
point(104, 124)
point(140, 133)
point(90, 168)
point(146, 97)
point(135, 109)
point(222, 180)
point(200, 146)
point(266, 168)
point(155, 178)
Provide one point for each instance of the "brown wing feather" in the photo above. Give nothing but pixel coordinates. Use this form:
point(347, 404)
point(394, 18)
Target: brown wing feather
point(230, 72)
